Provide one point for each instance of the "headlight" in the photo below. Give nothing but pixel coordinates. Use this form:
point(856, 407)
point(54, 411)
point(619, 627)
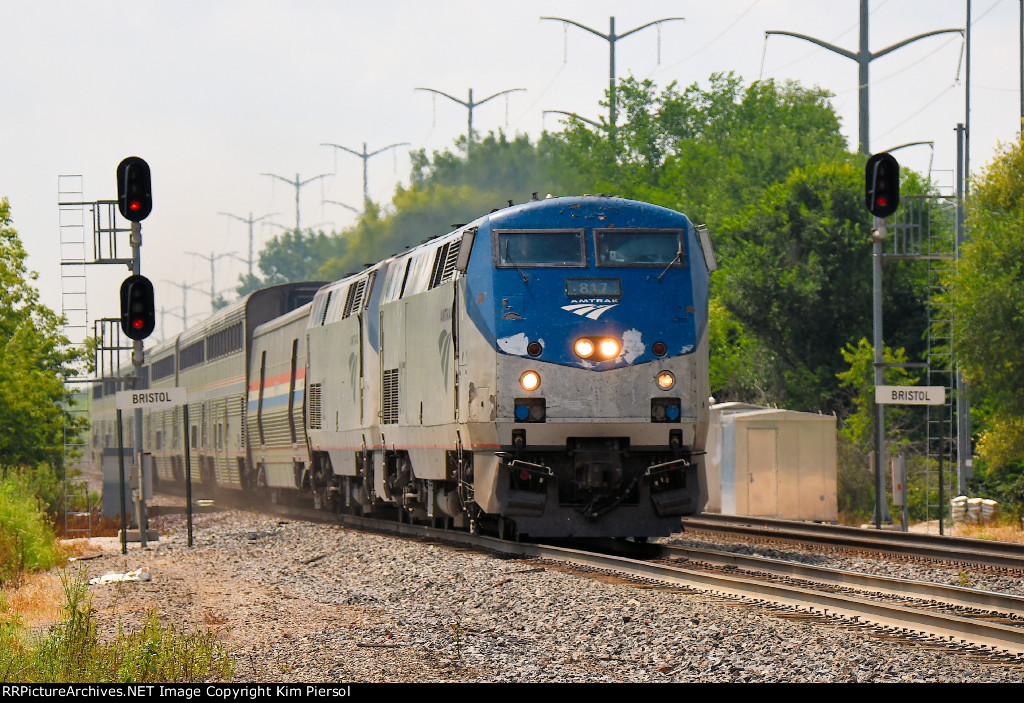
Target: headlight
point(609, 348)
point(666, 380)
point(584, 348)
point(605, 348)
point(530, 380)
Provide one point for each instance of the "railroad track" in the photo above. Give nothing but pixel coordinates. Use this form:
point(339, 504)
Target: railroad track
point(998, 557)
point(925, 614)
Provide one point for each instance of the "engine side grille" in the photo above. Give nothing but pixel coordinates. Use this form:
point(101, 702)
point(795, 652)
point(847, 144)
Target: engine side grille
point(389, 399)
point(315, 413)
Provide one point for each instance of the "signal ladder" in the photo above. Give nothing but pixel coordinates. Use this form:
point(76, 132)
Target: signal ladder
point(925, 229)
point(79, 249)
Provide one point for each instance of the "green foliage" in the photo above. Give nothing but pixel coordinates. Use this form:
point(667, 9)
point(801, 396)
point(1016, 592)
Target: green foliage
point(27, 538)
point(707, 151)
point(449, 189)
point(796, 273)
point(858, 380)
point(989, 308)
point(293, 256)
point(446, 189)
point(419, 212)
point(72, 652)
point(739, 365)
point(855, 480)
point(35, 360)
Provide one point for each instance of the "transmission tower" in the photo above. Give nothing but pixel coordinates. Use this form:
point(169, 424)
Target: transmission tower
point(185, 288)
point(251, 221)
point(297, 183)
point(611, 37)
point(366, 158)
point(469, 105)
point(212, 258)
point(864, 57)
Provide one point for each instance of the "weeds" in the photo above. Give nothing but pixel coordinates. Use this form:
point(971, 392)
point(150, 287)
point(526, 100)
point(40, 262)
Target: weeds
point(458, 632)
point(71, 651)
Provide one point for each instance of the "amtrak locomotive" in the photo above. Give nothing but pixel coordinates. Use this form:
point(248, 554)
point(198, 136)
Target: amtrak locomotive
point(540, 371)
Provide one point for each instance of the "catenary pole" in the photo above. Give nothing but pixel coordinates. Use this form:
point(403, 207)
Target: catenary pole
point(864, 56)
point(469, 105)
point(611, 38)
point(249, 221)
point(212, 258)
point(365, 156)
point(297, 183)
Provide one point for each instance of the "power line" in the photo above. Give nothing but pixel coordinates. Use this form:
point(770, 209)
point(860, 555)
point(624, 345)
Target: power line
point(611, 38)
point(864, 56)
point(469, 105)
point(365, 157)
point(212, 258)
point(250, 221)
point(298, 186)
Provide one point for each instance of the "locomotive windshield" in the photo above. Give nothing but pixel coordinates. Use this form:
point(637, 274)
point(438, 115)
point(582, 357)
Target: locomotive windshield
point(640, 247)
point(543, 248)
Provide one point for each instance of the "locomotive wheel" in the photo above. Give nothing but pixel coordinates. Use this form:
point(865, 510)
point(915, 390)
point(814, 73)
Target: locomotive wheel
point(507, 529)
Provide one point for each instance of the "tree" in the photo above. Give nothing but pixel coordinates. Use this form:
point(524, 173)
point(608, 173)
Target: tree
point(449, 189)
point(35, 361)
point(293, 256)
point(740, 366)
point(989, 309)
point(707, 151)
point(796, 274)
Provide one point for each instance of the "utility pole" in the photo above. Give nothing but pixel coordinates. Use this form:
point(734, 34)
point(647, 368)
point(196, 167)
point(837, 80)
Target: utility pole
point(298, 186)
point(365, 157)
point(864, 57)
point(611, 37)
point(469, 105)
point(212, 258)
point(251, 221)
point(185, 288)
point(163, 315)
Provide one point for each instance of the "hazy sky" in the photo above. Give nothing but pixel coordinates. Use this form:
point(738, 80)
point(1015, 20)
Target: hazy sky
point(213, 93)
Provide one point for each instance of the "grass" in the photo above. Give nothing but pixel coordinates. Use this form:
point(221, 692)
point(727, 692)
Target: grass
point(1000, 531)
point(71, 651)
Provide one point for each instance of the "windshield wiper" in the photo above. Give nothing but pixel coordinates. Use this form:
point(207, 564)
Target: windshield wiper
point(679, 257)
point(508, 258)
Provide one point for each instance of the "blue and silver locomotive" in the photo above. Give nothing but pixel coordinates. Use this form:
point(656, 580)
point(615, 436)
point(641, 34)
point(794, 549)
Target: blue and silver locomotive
point(540, 371)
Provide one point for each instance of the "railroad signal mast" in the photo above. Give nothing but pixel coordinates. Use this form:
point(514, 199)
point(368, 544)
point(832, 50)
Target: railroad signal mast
point(882, 185)
point(138, 313)
point(138, 310)
point(882, 199)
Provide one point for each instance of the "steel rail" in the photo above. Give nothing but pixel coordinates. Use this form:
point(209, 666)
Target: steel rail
point(857, 609)
point(961, 550)
point(954, 629)
point(955, 596)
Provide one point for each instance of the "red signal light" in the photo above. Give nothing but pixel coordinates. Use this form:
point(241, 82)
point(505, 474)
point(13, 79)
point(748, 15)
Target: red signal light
point(137, 323)
point(134, 206)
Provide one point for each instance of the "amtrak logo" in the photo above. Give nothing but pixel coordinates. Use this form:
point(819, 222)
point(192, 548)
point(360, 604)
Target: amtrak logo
point(444, 348)
point(591, 309)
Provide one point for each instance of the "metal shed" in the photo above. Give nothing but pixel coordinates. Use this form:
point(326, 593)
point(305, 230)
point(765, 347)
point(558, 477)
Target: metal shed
point(766, 462)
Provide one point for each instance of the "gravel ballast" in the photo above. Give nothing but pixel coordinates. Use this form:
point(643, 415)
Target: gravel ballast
point(299, 602)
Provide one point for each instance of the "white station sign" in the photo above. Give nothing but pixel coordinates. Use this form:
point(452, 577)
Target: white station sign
point(162, 398)
point(910, 395)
